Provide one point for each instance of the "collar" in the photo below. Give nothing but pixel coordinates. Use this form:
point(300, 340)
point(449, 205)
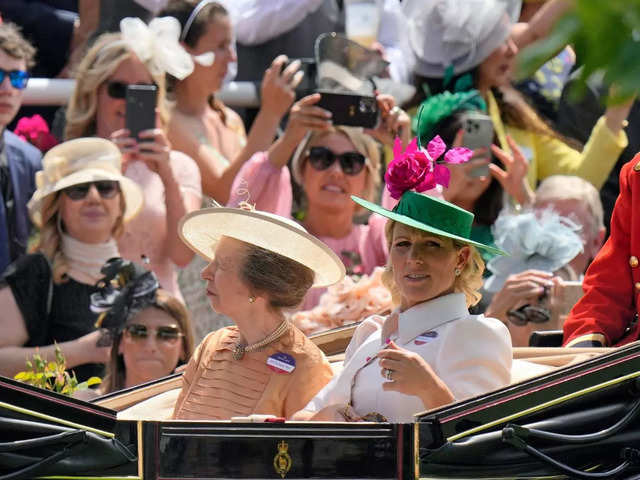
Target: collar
point(431, 314)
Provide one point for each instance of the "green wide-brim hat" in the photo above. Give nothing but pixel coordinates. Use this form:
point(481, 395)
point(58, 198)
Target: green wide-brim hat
point(431, 215)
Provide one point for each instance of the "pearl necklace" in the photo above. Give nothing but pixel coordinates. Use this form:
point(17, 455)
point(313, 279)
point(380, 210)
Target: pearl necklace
point(241, 348)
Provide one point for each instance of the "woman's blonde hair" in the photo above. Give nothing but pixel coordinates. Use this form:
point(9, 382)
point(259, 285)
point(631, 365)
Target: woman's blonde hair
point(468, 282)
point(116, 370)
point(50, 242)
point(102, 59)
point(363, 143)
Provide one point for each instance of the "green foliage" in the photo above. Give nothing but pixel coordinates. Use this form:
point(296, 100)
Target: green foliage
point(53, 375)
point(605, 36)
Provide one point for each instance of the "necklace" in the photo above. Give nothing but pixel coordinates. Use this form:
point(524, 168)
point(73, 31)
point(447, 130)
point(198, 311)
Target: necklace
point(241, 348)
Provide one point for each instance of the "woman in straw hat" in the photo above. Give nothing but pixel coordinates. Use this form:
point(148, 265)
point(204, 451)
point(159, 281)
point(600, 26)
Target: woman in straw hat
point(260, 265)
point(81, 205)
point(141, 54)
point(430, 351)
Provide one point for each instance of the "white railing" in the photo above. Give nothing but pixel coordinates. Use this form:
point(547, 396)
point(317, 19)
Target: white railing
point(55, 91)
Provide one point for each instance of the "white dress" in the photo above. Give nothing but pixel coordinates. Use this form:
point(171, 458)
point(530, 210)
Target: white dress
point(470, 353)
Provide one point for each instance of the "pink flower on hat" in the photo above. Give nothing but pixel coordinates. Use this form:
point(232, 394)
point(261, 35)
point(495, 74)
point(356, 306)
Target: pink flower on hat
point(36, 131)
point(418, 169)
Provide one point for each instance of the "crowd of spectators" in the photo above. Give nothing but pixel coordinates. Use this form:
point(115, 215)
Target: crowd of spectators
point(533, 184)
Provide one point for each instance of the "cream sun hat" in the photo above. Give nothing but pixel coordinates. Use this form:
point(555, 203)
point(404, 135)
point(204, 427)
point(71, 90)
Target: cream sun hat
point(200, 230)
point(83, 160)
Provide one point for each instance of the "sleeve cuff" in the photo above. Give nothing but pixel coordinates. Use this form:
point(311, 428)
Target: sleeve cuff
point(589, 340)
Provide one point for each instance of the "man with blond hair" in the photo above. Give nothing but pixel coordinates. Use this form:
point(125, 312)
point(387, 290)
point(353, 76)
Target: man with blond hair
point(19, 160)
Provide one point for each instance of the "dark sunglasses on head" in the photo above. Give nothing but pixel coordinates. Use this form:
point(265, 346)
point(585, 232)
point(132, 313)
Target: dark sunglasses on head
point(322, 158)
point(119, 89)
point(528, 313)
point(167, 334)
point(18, 78)
point(106, 189)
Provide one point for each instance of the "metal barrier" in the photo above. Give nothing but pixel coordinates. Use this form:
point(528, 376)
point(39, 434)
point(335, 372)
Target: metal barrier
point(57, 91)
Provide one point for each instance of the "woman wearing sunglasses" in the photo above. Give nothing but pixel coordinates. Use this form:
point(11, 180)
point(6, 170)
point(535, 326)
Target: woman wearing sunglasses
point(330, 163)
point(81, 206)
point(430, 351)
point(141, 54)
point(157, 337)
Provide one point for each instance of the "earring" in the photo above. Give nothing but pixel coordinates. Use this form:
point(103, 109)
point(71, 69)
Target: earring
point(252, 299)
point(457, 272)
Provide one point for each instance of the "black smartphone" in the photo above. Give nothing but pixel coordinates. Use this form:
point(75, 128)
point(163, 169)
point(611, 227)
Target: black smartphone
point(350, 109)
point(141, 103)
point(478, 133)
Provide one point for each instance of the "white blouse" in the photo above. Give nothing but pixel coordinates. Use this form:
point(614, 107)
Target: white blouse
point(470, 353)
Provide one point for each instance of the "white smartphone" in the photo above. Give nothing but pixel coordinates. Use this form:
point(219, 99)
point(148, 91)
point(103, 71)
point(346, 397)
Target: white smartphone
point(478, 133)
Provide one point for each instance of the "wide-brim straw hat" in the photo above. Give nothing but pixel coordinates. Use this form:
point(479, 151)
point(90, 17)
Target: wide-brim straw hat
point(431, 215)
point(200, 230)
point(83, 160)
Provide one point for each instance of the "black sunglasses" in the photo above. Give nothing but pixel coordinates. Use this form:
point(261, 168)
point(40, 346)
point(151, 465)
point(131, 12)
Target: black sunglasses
point(106, 189)
point(118, 90)
point(18, 78)
point(168, 334)
point(322, 158)
point(528, 313)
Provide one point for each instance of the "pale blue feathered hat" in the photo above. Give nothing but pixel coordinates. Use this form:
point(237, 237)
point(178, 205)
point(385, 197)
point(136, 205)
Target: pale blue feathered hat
point(541, 241)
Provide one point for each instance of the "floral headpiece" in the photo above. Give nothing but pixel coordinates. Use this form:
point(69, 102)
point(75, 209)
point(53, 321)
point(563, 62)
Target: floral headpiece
point(541, 241)
point(418, 169)
point(158, 46)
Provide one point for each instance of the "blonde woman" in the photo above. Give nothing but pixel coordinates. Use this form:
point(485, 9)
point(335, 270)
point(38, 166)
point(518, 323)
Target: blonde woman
point(82, 205)
point(170, 179)
point(330, 163)
point(430, 351)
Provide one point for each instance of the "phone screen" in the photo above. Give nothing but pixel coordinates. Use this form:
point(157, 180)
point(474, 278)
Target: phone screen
point(350, 109)
point(140, 108)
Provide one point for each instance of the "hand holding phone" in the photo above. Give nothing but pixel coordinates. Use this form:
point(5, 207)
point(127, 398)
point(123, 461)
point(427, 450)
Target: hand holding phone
point(141, 101)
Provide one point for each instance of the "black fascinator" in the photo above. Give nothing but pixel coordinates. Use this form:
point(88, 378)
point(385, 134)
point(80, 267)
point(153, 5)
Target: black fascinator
point(125, 289)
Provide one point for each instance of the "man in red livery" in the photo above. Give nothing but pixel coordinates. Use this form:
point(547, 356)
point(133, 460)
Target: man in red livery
point(607, 314)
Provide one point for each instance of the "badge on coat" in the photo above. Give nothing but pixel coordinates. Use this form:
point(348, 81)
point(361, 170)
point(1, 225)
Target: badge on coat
point(425, 337)
point(281, 363)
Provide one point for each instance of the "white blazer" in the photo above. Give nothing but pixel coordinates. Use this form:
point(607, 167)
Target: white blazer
point(470, 353)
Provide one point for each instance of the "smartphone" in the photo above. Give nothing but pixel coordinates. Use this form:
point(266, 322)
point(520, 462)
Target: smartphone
point(478, 133)
point(350, 109)
point(141, 101)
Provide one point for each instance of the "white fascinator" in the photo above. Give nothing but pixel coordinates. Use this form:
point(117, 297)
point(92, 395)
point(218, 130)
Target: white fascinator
point(158, 46)
point(542, 241)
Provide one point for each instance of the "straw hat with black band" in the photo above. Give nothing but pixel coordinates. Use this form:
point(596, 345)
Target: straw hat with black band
point(78, 161)
point(201, 230)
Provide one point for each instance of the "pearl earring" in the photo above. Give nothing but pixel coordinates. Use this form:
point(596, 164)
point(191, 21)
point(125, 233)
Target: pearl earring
point(458, 272)
point(252, 299)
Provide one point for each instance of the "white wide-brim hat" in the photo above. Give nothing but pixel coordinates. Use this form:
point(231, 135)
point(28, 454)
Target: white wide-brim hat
point(456, 33)
point(200, 230)
point(83, 160)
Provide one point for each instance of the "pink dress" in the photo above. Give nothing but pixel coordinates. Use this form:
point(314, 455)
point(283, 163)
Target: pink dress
point(261, 183)
point(147, 233)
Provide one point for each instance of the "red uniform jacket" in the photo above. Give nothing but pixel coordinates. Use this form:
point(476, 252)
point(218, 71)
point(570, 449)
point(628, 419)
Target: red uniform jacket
point(606, 314)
